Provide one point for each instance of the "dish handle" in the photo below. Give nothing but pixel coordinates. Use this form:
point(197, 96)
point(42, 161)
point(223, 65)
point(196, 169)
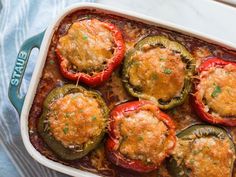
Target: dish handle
point(19, 70)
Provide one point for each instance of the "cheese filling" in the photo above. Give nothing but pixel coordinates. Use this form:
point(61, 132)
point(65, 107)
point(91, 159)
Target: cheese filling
point(204, 156)
point(75, 119)
point(144, 137)
point(218, 88)
point(158, 72)
point(88, 45)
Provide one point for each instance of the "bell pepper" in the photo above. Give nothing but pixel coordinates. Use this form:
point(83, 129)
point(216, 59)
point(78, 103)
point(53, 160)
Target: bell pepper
point(56, 146)
point(175, 47)
point(178, 165)
point(199, 105)
point(95, 78)
point(114, 140)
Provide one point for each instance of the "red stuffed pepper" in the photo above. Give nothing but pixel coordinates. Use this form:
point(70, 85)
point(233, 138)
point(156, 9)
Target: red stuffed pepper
point(214, 99)
point(140, 136)
point(90, 51)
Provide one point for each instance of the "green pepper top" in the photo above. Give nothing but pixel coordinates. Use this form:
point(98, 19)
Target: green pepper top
point(201, 150)
point(160, 70)
point(73, 121)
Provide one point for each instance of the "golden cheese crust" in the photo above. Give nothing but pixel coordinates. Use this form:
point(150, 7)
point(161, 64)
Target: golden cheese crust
point(159, 72)
point(206, 155)
point(75, 119)
point(218, 87)
point(88, 45)
point(144, 137)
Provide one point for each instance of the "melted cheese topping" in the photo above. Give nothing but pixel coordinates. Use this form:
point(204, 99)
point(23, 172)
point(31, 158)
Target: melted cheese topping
point(206, 155)
point(144, 137)
point(158, 72)
point(218, 87)
point(88, 45)
point(75, 119)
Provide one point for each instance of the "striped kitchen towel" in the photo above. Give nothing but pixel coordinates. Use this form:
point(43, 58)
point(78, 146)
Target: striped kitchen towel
point(19, 20)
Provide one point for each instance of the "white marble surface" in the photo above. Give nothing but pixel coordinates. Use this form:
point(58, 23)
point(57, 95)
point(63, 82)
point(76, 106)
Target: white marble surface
point(20, 19)
point(206, 16)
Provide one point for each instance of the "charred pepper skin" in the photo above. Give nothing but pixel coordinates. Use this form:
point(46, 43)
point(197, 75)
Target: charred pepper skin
point(100, 77)
point(198, 104)
point(198, 130)
point(55, 145)
point(175, 46)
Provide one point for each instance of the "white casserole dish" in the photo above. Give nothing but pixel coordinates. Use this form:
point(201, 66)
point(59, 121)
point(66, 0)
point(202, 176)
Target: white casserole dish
point(23, 105)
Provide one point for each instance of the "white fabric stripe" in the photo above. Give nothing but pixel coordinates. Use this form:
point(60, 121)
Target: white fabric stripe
point(54, 9)
point(3, 16)
point(63, 4)
point(10, 157)
point(27, 162)
point(16, 40)
point(21, 161)
point(21, 37)
point(4, 74)
point(13, 156)
point(15, 151)
point(19, 156)
point(5, 127)
point(27, 16)
point(4, 68)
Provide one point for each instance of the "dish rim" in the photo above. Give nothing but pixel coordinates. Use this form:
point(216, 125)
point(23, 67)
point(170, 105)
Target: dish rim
point(43, 55)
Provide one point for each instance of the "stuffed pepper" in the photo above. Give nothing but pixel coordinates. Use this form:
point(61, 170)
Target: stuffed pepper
point(160, 70)
point(140, 136)
point(202, 150)
point(73, 121)
point(90, 51)
point(214, 99)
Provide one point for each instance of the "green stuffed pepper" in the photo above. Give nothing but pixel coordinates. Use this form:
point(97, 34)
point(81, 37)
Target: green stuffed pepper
point(202, 150)
point(73, 121)
point(160, 70)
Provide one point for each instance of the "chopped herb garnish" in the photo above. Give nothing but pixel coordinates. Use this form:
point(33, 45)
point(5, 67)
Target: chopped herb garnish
point(85, 37)
point(217, 90)
point(196, 152)
point(81, 111)
point(135, 63)
point(94, 117)
point(75, 96)
point(65, 130)
point(162, 59)
point(154, 76)
point(140, 138)
point(192, 161)
point(51, 62)
point(67, 115)
point(174, 111)
point(88, 16)
point(167, 71)
point(188, 171)
point(54, 113)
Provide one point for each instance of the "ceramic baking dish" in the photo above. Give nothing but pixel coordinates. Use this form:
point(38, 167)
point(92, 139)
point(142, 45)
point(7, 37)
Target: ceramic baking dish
point(42, 41)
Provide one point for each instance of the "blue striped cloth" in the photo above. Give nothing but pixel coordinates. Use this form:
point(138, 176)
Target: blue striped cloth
point(19, 20)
